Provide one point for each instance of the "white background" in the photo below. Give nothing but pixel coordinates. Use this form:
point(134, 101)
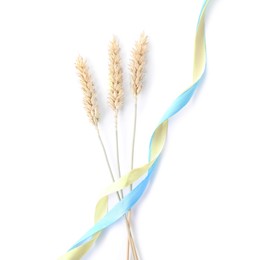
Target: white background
point(205, 201)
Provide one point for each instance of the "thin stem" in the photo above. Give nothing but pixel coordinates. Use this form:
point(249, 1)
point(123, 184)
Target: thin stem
point(130, 236)
point(106, 157)
point(117, 150)
point(134, 136)
point(132, 162)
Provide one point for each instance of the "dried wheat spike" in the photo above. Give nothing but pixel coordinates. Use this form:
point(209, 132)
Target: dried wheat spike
point(88, 89)
point(137, 64)
point(116, 94)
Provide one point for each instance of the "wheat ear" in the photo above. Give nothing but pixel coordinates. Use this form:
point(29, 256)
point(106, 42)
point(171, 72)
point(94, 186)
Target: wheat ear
point(137, 64)
point(89, 91)
point(116, 93)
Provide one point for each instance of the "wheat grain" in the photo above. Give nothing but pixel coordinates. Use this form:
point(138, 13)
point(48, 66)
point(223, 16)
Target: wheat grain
point(137, 64)
point(116, 94)
point(89, 99)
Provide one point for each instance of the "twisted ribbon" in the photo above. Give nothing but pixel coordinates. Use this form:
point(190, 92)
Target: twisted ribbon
point(105, 218)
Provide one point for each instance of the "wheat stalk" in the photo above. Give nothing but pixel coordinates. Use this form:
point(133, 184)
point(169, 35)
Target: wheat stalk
point(86, 81)
point(137, 64)
point(115, 100)
point(116, 94)
point(137, 68)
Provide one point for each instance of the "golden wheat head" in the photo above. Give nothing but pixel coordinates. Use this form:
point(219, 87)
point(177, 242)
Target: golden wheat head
point(137, 64)
point(88, 89)
point(116, 94)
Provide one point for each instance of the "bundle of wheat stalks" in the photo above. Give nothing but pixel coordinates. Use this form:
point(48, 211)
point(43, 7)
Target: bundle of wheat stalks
point(115, 101)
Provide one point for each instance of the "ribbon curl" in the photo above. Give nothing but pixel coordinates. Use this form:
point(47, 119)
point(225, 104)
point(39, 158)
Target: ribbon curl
point(104, 219)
